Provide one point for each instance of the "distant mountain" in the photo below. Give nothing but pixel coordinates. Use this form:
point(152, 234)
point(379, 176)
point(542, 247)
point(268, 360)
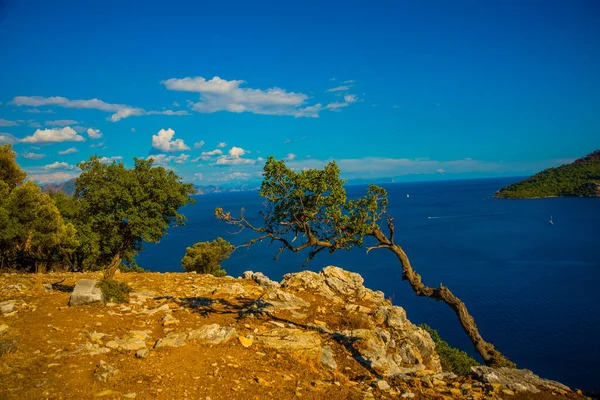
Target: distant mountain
point(67, 187)
point(580, 178)
point(206, 189)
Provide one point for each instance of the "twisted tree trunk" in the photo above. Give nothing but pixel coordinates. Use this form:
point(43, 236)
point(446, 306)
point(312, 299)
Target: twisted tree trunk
point(490, 355)
point(112, 268)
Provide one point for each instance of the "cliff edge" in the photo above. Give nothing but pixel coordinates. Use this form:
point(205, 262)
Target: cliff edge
point(183, 335)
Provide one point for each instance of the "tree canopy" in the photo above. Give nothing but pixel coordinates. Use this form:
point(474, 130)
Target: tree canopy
point(206, 257)
point(10, 172)
point(310, 210)
point(580, 178)
point(127, 207)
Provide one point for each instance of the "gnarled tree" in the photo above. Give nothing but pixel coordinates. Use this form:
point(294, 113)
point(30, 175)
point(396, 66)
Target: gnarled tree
point(127, 207)
point(308, 210)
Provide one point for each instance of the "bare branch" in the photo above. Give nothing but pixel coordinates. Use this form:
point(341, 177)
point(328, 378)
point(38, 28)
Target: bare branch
point(381, 246)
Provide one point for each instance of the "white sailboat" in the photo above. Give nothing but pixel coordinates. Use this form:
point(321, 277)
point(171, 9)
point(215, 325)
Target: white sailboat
point(551, 222)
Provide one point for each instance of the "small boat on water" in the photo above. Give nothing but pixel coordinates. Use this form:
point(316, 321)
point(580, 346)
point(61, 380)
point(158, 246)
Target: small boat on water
point(407, 195)
point(551, 222)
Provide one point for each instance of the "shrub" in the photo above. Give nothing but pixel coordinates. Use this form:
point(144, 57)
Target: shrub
point(206, 257)
point(115, 291)
point(355, 320)
point(452, 359)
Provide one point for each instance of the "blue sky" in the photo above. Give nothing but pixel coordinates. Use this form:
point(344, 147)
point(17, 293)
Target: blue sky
point(411, 90)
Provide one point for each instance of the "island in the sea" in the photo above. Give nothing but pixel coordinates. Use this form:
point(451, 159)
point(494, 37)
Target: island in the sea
point(581, 178)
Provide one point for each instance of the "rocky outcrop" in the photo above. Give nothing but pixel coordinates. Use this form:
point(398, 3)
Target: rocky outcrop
point(86, 292)
point(394, 346)
point(315, 335)
point(260, 278)
point(296, 340)
point(212, 334)
point(519, 380)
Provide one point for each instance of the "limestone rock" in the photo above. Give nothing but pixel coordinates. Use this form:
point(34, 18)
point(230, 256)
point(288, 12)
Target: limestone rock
point(173, 339)
point(213, 334)
point(229, 289)
point(391, 316)
point(142, 353)
point(132, 341)
point(169, 319)
point(519, 380)
point(358, 308)
point(245, 341)
point(383, 385)
point(327, 358)
point(277, 299)
point(6, 307)
point(86, 292)
point(104, 371)
point(371, 349)
point(163, 307)
point(295, 340)
point(260, 278)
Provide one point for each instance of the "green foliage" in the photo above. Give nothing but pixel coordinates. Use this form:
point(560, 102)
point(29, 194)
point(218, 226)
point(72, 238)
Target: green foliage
point(206, 257)
point(10, 172)
point(580, 178)
point(84, 256)
point(33, 234)
point(311, 206)
point(452, 359)
point(125, 207)
point(115, 291)
point(126, 267)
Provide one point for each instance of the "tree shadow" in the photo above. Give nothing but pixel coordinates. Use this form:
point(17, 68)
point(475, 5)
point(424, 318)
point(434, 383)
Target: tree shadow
point(257, 308)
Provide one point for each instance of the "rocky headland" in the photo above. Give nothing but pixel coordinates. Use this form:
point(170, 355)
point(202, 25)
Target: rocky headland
point(184, 335)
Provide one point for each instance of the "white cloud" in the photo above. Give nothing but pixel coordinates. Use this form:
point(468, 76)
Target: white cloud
point(162, 141)
point(94, 133)
point(440, 170)
point(286, 141)
point(237, 152)
point(133, 130)
point(226, 160)
point(65, 134)
point(5, 122)
point(58, 165)
point(97, 145)
point(33, 156)
point(338, 89)
point(34, 124)
point(336, 106)
point(70, 150)
point(198, 176)
point(260, 159)
point(36, 111)
point(120, 111)
point(219, 94)
point(290, 157)
point(199, 145)
point(350, 98)
point(108, 160)
point(212, 153)
point(221, 145)
point(61, 122)
point(7, 138)
point(54, 177)
point(163, 159)
point(349, 81)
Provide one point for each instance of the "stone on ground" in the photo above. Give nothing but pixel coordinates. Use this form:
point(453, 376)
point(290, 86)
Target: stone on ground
point(86, 292)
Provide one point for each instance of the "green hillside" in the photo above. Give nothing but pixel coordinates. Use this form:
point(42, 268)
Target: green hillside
point(580, 178)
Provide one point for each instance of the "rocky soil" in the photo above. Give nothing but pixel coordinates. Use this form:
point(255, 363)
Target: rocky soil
point(311, 336)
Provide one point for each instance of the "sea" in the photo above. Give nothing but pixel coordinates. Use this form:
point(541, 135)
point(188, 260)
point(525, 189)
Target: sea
point(532, 287)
